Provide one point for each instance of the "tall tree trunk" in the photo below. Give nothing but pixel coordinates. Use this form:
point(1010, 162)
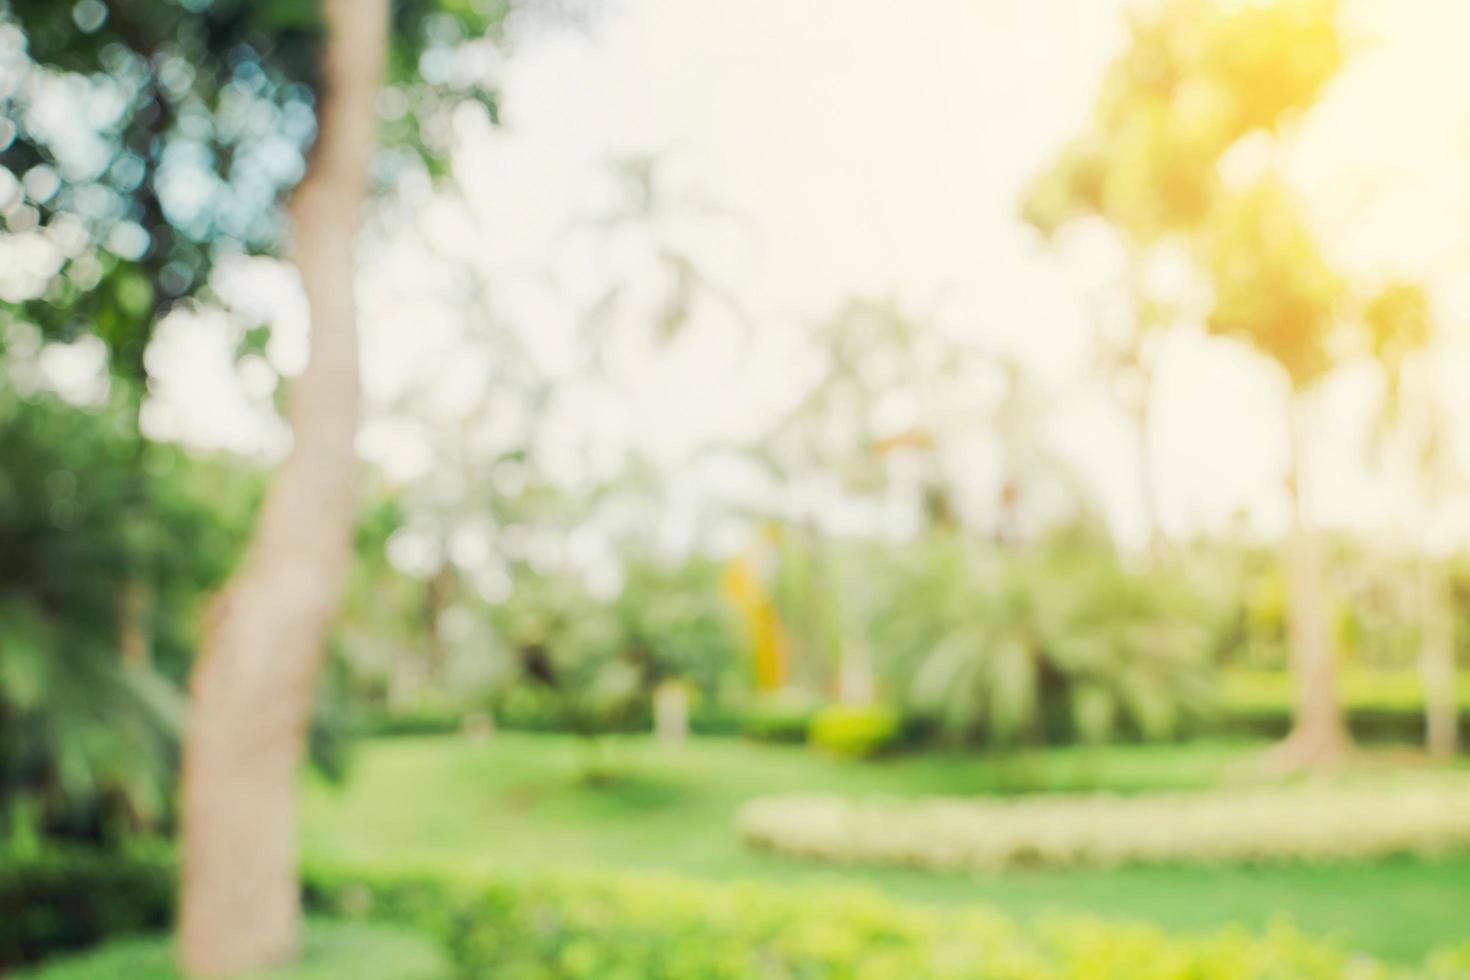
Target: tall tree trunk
point(1318, 736)
point(1437, 664)
point(263, 645)
point(1141, 357)
point(1143, 418)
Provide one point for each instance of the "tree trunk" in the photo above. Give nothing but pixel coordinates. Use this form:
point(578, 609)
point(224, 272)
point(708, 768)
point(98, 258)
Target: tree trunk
point(1143, 418)
point(134, 639)
point(1141, 357)
point(1437, 664)
point(671, 712)
point(438, 592)
point(253, 686)
point(1318, 736)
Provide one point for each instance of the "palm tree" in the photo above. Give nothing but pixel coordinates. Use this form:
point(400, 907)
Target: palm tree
point(1014, 646)
point(1273, 289)
point(1412, 427)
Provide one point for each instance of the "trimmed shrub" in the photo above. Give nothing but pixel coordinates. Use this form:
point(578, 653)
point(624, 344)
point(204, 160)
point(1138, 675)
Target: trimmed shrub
point(68, 899)
point(677, 929)
point(1258, 826)
point(412, 724)
point(860, 731)
point(1380, 706)
point(635, 926)
point(777, 718)
point(331, 951)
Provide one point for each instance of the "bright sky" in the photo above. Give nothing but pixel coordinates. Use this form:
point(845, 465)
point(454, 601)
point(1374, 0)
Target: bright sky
point(878, 148)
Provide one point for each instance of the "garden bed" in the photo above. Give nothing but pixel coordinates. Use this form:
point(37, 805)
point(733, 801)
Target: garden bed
point(385, 924)
point(331, 951)
point(1266, 825)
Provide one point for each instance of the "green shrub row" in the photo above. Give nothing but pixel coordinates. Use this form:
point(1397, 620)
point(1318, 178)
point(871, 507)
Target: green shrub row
point(858, 731)
point(1256, 710)
point(1269, 825)
point(631, 927)
point(69, 899)
point(634, 927)
point(445, 722)
point(1373, 726)
point(1369, 725)
point(330, 951)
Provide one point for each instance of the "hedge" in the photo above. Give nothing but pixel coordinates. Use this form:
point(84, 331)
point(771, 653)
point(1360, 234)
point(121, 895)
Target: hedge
point(612, 927)
point(856, 731)
point(629, 927)
point(444, 722)
point(331, 951)
point(69, 899)
point(1380, 707)
point(1270, 825)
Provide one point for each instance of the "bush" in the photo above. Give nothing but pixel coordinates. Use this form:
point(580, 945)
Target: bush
point(63, 900)
point(678, 929)
point(860, 731)
point(330, 951)
point(1384, 706)
point(777, 718)
point(1260, 826)
point(568, 928)
point(412, 724)
point(1059, 643)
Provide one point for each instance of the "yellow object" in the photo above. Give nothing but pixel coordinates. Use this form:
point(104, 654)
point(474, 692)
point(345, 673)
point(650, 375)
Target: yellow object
point(745, 585)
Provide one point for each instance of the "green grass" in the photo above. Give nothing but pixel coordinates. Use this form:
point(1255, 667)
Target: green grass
point(330, 951)
point(520, 803)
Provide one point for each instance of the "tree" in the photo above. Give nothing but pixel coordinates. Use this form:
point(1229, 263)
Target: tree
point(88, 748)
point(1196, 79)
point(253, 687)
point(1412, 427)
point(119, 106)
point(222, 96)
point(1013, 646)
point(869, 429)
point(1274, 290)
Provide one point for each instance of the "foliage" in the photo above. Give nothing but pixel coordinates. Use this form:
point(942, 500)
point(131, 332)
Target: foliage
point(571, 927)
point(1399, 321)
point(1196, 78)
point(1272, 286)
point(188, 121)
point(1060, 638)
point(675, 624)
point(1363, 689)
point(1426, 816)
point(586, 665)
point(1382, 706)
point(330, 950)
point(782, 717)
point(859, 731)
point(506, 805)
point(567, 650)
point(85, 742)
point(591, 925)
point(58, 900)
point(515, 805)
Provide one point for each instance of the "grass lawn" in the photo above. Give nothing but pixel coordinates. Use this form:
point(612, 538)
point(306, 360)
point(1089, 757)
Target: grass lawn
point(519, 802)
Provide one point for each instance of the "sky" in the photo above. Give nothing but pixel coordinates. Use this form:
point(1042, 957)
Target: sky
point(870, 148)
